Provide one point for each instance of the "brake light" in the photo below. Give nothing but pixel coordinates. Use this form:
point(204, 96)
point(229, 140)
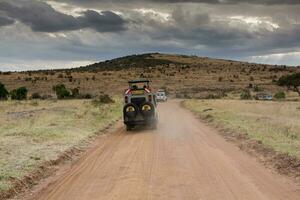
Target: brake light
point(147, 90)
point(128, 91)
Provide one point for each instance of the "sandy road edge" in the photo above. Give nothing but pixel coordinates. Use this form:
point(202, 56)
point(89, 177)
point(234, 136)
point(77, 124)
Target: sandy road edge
point(281, 163)
point(47, 169)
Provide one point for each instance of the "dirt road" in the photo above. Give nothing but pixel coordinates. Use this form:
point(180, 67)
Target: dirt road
point(184, 159)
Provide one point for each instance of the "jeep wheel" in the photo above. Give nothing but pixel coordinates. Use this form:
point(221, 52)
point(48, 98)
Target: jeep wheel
point(147, 109)
point(130, 110)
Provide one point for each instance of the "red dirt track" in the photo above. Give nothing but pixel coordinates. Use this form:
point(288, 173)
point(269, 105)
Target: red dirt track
point(184, 159)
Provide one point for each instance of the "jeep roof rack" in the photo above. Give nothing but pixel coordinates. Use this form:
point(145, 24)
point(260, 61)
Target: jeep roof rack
point(139, 81)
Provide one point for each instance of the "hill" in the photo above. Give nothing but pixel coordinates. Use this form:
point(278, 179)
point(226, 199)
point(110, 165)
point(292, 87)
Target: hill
point(184, 76)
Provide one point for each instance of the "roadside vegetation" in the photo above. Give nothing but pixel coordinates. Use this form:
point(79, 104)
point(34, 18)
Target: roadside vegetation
point(291, 81)
point(246, 94)
point(35, 131)
point(60, 91)
point(19, 93)
point(3, 92)
point(181, 76)
point(273, 124)
point(280, 95)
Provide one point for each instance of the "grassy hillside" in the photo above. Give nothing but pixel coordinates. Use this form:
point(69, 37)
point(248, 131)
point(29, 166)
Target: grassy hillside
point(186, 76)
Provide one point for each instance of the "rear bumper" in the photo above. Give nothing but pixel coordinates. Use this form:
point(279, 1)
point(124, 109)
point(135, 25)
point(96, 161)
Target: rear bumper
point(139, 121)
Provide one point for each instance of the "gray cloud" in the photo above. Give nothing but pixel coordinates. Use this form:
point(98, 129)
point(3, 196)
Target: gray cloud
point(260, 2)
point(107, 21)
point(266, 2)
point(194, 29)
point(4, 21)
point(43, 18)
point(206, 29)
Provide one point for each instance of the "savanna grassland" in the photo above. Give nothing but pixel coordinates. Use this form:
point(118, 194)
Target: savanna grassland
point(274, 124)
point(183, 76)
point(33, 132)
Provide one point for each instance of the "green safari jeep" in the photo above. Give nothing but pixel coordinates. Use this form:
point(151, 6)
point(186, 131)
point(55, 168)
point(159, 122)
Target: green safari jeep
point(139, 105)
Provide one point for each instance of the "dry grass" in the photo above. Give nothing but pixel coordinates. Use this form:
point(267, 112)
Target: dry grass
point(32, 132)
point(275, 124)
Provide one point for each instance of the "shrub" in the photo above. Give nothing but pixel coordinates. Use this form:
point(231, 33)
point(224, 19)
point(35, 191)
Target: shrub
point(213, 96)
point(187, 96)
point(46, 96)
point(279, 95)
point(291, 81)
point(36, 95)
point(87, 96)
point(3, 92)
point(245, 94)
point(104, 98)
point(256, 88)
point(69, 73)
point(19, 94)
point(75, 92)
point(61, 91)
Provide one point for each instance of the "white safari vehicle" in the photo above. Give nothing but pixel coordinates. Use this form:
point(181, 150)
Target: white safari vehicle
point(161, 96)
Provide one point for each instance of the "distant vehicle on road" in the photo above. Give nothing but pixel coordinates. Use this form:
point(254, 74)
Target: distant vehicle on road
point(264, 96)
point(139, 105)
point(161, 95)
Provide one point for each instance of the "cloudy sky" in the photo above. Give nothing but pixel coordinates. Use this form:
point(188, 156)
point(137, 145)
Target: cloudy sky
point(37, 34)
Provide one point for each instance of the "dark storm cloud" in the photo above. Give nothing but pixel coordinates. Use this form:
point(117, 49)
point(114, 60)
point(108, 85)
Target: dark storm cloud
point(195, 29)
point(199, 31)
point(261, 2)
point(234, 29)
point(266, 2)
point(107, 21)
point(4, 21)
point(40, 16)
point(43, 18)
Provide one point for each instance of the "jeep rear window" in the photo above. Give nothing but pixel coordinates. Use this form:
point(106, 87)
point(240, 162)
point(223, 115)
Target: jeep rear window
point(138, 100)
